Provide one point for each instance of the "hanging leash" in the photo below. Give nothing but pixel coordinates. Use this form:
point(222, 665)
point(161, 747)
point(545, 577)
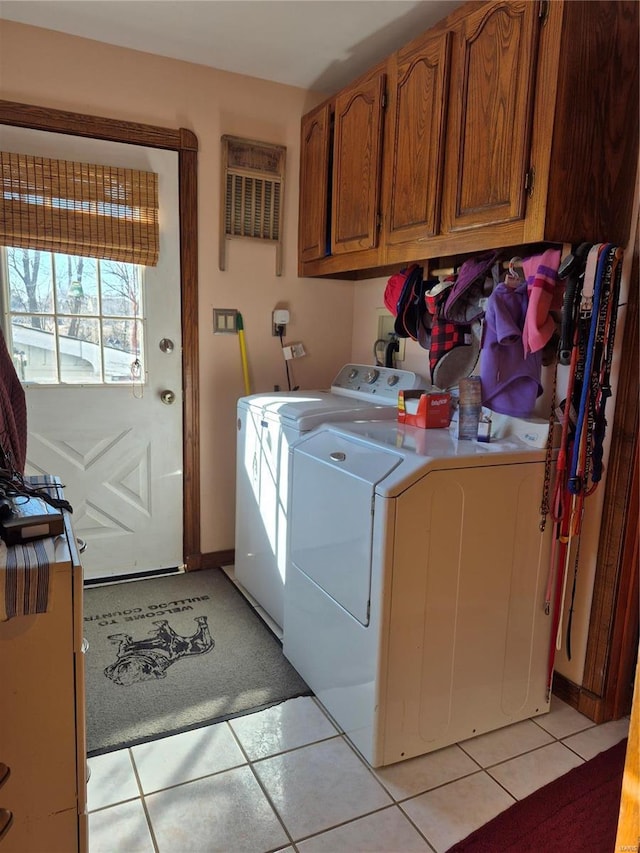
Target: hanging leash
point(598, 391)
point(605, 374)
point(594, 341)
point(560, 582)
point(587, 339)
point(586, 327)
point(602, 323)
point(579, 269)
point(576, 562)
point(589, 313)
point(571, 270)
point(545, 508)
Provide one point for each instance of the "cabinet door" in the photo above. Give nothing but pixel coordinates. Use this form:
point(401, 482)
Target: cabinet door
point(314, 184)
point(419, 77)
point(357, 154)
point(492, 82)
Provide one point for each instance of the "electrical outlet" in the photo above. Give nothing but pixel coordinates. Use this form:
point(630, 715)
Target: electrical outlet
point(386, 323)
point(293, 351)
point(280, 318)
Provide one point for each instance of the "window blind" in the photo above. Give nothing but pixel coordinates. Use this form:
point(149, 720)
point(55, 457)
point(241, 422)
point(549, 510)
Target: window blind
point(79, 209)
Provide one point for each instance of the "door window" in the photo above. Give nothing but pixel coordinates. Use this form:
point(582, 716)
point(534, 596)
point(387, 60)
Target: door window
point(72, 319)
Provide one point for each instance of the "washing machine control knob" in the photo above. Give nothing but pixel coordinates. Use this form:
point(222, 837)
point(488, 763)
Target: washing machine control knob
point(371, 376)
point(353, 373)
point(393, 380)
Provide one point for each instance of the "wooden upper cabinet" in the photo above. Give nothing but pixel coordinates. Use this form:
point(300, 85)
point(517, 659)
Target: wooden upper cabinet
point(315, 156)
point(418, 78)
point(510, 122)
point(357, 152)
point(491, 107)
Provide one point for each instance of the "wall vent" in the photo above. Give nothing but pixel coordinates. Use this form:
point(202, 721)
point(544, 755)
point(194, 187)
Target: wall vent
point(252, 197)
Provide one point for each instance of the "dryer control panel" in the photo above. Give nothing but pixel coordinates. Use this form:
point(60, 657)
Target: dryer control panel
point(370, 382)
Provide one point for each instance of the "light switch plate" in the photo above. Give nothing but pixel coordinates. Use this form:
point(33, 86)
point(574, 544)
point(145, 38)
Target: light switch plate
point(224, 321)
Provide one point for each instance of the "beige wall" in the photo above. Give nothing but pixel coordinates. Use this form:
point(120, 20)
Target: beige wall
point(64, 72)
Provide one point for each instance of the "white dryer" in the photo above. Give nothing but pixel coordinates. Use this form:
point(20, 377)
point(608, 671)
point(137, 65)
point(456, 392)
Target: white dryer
point(414, 606)
point(267, 425)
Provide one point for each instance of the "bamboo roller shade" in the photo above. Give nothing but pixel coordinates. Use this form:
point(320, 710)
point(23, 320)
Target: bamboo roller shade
point(79, 209)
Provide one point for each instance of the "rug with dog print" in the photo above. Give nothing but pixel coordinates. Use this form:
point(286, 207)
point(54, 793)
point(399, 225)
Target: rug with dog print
point(176, 652)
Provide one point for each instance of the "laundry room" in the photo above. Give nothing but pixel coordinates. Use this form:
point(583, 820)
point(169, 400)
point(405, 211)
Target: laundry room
point(396, 417)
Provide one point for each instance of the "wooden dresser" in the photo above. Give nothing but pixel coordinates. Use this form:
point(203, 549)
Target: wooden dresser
point(42, 724)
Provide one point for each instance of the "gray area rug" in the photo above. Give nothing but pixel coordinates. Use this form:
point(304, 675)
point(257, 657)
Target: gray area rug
point(173, 653)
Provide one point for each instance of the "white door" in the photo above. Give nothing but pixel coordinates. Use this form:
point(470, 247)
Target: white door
point(97, 413)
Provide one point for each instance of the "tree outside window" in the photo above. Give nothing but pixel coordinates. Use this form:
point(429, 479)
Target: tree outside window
point(74, 319)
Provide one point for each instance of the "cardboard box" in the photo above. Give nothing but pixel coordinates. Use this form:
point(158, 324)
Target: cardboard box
point(431, 411)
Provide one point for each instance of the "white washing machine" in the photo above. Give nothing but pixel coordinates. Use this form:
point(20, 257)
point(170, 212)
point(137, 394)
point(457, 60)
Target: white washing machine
point(414, 606)
point(267, 424)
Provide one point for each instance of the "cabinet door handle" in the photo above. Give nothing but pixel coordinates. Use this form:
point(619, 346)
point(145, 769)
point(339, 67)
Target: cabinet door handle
point(5, 772)
point(82, 545)
point(6, 819)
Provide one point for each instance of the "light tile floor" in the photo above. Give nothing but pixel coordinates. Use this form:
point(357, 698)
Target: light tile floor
point(286, 779)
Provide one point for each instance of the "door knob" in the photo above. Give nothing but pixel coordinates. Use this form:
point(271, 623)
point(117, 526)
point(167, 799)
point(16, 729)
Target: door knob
point(168, 397)
point(166, 345)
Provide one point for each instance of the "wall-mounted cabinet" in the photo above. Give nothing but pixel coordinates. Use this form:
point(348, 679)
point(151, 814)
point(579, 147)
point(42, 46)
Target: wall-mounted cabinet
point(418, 86)
point(314, 238)
point(341, 175)
point(491, 110)
point(357, 163)
point(507, 123)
